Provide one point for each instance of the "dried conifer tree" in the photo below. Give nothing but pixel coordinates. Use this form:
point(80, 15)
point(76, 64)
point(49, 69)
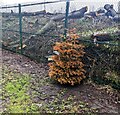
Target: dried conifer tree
point(67, 66)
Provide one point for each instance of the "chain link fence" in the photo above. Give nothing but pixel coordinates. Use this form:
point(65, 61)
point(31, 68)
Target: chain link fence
point(32, 29)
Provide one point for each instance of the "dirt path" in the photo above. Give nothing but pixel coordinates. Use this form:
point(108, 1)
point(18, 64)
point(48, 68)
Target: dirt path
point(52, 97)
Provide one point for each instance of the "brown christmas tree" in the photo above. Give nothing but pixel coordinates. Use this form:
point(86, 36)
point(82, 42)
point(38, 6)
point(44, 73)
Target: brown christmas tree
point(67, 66)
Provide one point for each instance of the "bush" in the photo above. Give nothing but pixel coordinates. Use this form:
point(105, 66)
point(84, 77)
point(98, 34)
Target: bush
point(67, 66)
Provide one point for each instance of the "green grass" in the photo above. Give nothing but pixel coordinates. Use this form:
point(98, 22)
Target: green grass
point(15, 88)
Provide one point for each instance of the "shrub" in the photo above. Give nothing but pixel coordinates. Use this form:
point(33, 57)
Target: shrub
point(67, 66)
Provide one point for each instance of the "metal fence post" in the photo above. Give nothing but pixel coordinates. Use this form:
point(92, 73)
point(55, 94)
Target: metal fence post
point(66, 19)
point(118, 19)
point(20, 28)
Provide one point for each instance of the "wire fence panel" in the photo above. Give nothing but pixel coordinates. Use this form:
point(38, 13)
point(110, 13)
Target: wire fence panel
point(93, 21)
point(10, 28)
point(34, 30)
point(41, 28)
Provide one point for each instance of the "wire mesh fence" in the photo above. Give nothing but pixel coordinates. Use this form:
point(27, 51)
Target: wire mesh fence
point(31, 32)
point(32, 29)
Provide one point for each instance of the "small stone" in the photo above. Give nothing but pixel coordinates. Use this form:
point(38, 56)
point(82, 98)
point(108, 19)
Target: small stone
point(39, 105)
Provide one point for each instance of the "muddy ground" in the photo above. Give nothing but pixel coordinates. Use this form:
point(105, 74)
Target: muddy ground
point(50, 96)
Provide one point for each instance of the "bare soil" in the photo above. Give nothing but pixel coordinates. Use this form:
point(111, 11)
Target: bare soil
point(50, 96)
